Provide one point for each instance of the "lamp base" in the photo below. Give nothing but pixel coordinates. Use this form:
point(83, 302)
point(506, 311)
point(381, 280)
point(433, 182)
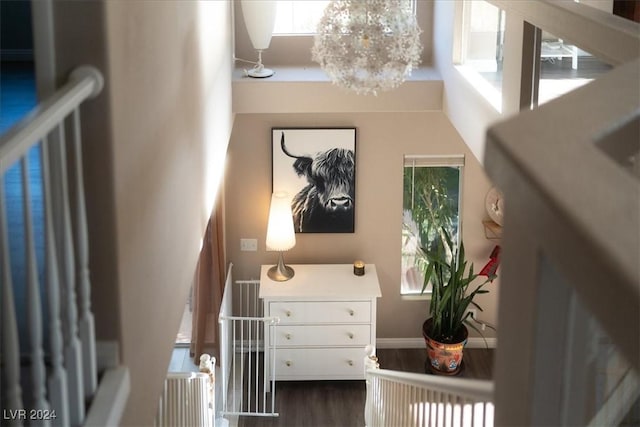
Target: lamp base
point(280, 272)
point(260, 73)
point(280, 276)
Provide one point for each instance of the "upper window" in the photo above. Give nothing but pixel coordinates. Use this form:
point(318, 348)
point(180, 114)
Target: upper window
point(298, 17)
point(481, 49)
point(431, 204)
point(302, 17)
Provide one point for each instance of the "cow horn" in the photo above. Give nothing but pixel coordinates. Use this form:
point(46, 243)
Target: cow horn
point(284, 149)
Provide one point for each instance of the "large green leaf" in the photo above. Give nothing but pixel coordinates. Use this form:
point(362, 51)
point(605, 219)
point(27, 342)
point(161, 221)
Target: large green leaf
point(451, 297)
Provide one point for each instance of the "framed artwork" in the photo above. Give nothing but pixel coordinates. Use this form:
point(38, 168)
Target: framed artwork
point(317, 167)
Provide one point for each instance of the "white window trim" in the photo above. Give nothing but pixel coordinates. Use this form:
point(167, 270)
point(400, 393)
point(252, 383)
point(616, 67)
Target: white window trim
point(437, 160)
point(462, 18)
point(434, 160)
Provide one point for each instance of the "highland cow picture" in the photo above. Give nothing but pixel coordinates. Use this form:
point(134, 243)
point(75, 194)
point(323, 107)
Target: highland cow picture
point(317, 167)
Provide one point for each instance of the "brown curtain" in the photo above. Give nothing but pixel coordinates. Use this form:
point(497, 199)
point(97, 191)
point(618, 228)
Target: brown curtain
point(208, 288)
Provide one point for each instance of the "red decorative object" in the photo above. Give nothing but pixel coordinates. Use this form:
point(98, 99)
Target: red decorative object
point(491, 267)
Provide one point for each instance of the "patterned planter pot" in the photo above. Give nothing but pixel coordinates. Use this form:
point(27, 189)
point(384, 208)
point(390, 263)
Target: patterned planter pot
point(444, 358)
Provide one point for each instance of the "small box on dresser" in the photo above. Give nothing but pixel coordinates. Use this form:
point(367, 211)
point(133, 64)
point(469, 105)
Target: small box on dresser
point(327, 316)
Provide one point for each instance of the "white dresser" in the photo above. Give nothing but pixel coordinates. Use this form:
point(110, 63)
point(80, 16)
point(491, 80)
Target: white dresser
point(327, 317)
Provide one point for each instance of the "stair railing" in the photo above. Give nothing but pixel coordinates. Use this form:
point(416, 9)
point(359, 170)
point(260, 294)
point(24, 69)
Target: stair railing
point(62, 379)
point(409, 399)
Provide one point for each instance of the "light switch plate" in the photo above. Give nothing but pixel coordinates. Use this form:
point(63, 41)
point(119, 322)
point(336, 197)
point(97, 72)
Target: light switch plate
point(250, 245)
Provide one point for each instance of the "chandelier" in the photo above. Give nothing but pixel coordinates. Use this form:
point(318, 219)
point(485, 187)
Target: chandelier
point(368, 46)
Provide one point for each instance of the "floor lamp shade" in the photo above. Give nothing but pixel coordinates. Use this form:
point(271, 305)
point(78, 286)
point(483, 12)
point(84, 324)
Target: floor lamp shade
point(259, 18)
point(280, 233)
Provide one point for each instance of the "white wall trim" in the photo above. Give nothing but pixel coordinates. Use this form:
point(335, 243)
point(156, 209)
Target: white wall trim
point(473, 342)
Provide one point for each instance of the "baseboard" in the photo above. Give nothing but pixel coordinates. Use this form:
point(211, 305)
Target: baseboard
point(473, 342)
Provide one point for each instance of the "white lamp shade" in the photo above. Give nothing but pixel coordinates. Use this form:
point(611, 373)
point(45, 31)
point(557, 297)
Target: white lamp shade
point(280, 233)
point(259, 18)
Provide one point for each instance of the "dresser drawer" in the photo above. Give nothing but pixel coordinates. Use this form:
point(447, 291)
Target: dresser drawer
point(322, 335)
point(304, 312)
point(319, 363)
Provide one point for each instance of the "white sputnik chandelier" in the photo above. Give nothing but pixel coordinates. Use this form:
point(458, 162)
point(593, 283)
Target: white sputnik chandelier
point(368, 46)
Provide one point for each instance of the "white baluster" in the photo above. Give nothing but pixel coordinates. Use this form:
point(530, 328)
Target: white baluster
point(72, 349)
point(34, 315)
point(57, 383)
point(10, 346)
point(370, 362)
point(86, 324)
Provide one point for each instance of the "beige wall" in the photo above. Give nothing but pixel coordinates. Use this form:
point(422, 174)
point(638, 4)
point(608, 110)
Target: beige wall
point(155, 144)
point(170, 65)
point(382, 140)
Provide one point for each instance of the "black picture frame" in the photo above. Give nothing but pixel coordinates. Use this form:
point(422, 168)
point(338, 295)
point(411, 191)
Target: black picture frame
point(317, 168)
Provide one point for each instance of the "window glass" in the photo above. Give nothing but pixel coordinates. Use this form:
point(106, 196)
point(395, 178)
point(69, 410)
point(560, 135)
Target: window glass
point(302, 17)
point(298, 17)
point(431, 202)
point(565, 67)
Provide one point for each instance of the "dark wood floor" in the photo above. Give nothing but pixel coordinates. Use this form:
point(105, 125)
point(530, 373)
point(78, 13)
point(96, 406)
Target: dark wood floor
point(341, 403)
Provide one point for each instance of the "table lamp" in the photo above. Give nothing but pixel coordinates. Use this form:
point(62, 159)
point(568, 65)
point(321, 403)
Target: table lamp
point(280, 234)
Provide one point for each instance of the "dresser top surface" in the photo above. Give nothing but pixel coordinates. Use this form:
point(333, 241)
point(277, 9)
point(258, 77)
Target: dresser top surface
point(322, 281)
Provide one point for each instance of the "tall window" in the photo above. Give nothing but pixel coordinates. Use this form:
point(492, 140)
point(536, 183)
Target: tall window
point(432, 190)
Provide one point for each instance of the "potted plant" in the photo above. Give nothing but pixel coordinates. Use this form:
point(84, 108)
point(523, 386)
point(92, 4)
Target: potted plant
point(445, 331)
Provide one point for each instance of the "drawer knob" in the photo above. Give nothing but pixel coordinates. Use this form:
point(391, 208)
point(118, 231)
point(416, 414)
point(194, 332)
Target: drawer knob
point(350, 362)
point(351, 335)
point(288, 336)
point(288, 363)
point(288, 313)
point(351, 312)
